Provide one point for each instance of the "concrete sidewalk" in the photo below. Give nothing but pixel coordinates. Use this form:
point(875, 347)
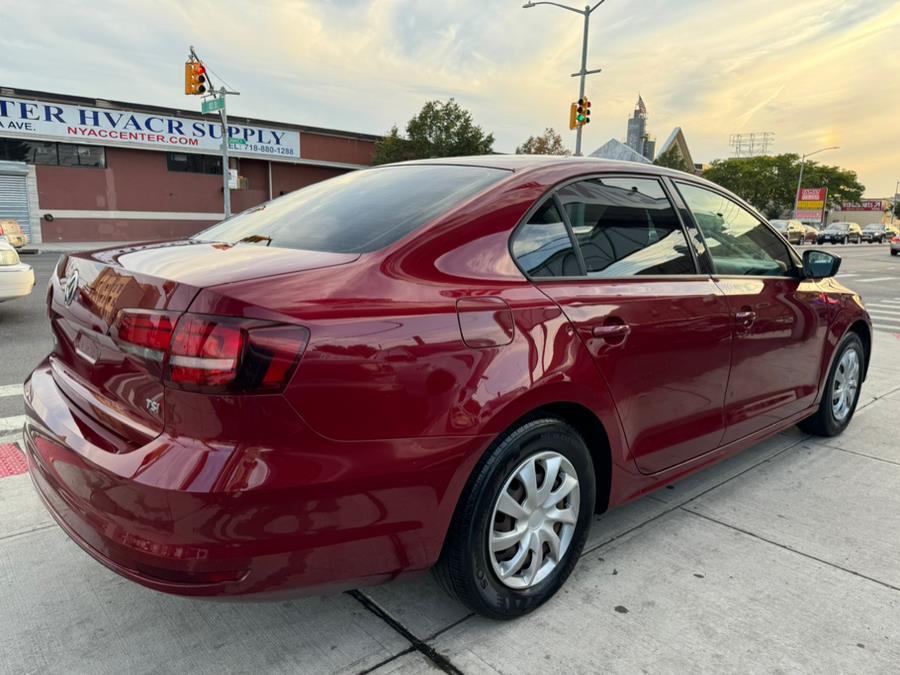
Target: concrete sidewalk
point(785, 558)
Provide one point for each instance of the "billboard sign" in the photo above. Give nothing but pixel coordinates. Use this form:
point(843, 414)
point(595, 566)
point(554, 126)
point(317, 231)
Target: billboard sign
point(44, 121)
point(864, 205)
point(811, 204)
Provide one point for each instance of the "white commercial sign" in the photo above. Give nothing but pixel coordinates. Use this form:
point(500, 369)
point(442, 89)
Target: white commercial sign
point(40, 120)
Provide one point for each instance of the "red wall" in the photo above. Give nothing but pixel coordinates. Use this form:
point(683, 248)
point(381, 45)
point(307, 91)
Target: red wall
point(139, 180)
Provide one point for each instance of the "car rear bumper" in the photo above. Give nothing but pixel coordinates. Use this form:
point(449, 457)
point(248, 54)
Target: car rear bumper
point(203, 518)
point(16, 281)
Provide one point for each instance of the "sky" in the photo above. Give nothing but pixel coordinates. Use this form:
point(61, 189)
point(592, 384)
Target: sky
point(815, 72)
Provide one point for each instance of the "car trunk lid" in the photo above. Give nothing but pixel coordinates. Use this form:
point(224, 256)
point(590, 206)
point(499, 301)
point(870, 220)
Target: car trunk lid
point(117, 393)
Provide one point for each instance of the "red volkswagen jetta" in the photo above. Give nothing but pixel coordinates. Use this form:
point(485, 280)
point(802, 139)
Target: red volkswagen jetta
point(451, 363)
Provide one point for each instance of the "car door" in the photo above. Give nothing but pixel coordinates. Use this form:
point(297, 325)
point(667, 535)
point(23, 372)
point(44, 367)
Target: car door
point(611, 252)
point(780, 320)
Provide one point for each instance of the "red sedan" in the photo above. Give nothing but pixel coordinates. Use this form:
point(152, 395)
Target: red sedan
point(450, 363)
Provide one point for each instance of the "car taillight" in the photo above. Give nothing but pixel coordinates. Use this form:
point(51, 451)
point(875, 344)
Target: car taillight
point(210, 353)
point(146, 334)
point(1, 229)
point(895, 240)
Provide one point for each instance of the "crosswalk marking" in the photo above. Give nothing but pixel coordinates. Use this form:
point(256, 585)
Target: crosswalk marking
point(892, 310)
point(873, 280)
point(14, 423)
point(878, 319)
point(10, 390)
point(847, 276)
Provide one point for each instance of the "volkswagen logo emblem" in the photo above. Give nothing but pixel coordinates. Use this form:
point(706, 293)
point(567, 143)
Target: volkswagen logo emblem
point(70, 287)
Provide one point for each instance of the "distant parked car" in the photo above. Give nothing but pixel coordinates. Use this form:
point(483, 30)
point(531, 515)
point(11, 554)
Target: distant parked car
point(841, 232)
point(16, 278)
point(792, 230)
point(895, 245)
point(12, 232)
point(812, 234)
point(876, 233)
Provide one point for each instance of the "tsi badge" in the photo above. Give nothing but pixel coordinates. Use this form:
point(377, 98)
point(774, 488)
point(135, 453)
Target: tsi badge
point(152, 406)
point(70, 287)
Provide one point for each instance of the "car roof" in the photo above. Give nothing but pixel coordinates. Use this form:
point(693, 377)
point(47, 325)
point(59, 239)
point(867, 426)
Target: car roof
point(523, 163)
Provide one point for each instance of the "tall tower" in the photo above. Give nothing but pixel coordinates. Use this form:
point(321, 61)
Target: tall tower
point(637, 127)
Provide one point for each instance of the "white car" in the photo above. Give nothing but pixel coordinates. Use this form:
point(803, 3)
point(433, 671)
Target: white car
point(16, 278)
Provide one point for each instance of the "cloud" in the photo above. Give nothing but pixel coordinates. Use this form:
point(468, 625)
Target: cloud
point(815, 72)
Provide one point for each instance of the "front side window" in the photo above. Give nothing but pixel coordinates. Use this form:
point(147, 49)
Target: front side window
point(626, 227)
point(542, 245)
point(737, 241)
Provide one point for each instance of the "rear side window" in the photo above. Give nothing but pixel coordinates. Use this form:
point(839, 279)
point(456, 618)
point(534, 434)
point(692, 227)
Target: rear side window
point(626, 227)
point(359, 211)
point(543, 247)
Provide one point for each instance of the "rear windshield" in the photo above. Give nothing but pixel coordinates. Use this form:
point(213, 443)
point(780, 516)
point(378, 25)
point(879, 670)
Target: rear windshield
point(359, 211)
point(839, 227)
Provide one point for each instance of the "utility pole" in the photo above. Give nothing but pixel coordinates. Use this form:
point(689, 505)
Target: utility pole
point(584, 72)
point(895, 201)
point(213, 101)
point(800, 179)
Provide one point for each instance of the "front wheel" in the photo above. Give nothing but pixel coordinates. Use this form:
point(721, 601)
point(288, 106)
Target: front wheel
point(521, 522)
point(841, 390)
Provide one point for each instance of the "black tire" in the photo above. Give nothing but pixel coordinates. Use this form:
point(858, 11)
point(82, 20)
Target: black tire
point(823, 422)
point(464, 570)
point(893, 252)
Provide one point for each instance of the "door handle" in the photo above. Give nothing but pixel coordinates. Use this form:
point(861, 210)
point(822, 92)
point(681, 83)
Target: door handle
point(611, 330)
point(745, 317)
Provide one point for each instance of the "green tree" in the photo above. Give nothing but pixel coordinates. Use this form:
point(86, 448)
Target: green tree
point(770, 183)
point(673, 159)
point(548, 143)
point(440, 129)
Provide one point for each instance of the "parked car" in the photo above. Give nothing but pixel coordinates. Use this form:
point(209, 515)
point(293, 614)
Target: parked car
point(461, 377)
point(841, 232)
point(12, 232)
point(895, 245)
point(16, 278)
point(876, 233)
point(792, 230)
point(811, 235)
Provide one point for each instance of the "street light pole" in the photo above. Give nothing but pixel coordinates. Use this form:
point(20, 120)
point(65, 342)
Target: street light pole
point(895, 201)
point(800, 179)
point(584, 72)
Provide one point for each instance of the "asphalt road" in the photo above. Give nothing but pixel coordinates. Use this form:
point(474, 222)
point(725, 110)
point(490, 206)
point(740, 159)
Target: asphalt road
point(25, 337)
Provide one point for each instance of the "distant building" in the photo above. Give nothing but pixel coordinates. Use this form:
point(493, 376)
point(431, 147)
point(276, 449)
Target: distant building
point(617, 150)
point(637, 127)
point(637, 137)
point(677, 145)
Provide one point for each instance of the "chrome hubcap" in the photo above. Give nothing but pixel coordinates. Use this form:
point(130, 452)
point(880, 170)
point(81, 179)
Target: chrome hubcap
point(846, 382)
point(534, 519)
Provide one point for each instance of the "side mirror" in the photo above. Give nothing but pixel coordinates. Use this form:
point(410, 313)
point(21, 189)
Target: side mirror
point(820, 265)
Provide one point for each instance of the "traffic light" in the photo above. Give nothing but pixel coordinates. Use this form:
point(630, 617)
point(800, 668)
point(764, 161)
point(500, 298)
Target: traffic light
point(573, 112)
point(583, 111)
point(194, 78)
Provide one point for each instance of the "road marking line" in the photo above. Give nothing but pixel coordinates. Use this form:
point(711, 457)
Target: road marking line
point(883, 309)
point(876, 279)
point(877, 320)
point(14, 423)
point(847, 276)
point(10, 390)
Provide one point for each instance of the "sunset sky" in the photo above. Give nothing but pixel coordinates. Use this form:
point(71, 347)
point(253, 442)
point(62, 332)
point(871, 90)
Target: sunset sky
point(814, 72)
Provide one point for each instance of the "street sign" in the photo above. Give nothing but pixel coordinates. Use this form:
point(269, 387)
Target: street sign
point(213, 104)
point(236, 141)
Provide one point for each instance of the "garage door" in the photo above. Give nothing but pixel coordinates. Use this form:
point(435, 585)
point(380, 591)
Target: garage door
point(14, 200)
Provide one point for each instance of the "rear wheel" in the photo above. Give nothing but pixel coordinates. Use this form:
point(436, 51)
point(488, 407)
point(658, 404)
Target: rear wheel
point(841, 390)
point(521, 522)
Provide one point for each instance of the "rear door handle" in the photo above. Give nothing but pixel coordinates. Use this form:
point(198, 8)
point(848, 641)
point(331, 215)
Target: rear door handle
point(612, 330)
point(745, 317)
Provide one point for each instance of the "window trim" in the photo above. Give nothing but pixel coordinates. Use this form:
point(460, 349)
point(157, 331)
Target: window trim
point(553, 193)
point(792, 254)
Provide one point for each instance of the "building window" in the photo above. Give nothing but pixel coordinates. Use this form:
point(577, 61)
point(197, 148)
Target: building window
point(191, 163)
point(82, 155)
point(52, 154)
